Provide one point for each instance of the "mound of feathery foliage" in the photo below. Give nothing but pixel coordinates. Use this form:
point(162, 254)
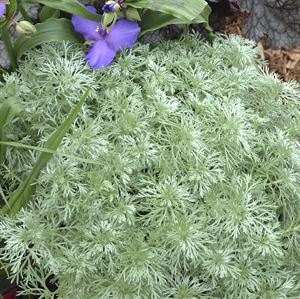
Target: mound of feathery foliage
point(189, 186)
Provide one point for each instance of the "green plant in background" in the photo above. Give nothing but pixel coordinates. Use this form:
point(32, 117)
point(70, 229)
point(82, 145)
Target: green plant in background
point(152, 15)
point(178, 179)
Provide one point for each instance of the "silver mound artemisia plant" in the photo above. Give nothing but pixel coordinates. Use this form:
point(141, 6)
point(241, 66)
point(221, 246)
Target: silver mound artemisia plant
point(188, 185)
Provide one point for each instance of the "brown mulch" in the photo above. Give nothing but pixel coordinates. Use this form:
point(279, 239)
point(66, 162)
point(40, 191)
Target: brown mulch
point(284, 62)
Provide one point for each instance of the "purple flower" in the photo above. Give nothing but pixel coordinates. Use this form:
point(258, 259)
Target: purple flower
point(2, 10)
point(106, 44)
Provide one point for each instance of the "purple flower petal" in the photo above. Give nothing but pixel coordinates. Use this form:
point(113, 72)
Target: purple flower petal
point(89, 29)
point(2, 10)
point(123, 34)
point(100, 55)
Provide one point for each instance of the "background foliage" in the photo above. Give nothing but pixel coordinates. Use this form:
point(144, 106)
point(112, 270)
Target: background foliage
point(154, 15)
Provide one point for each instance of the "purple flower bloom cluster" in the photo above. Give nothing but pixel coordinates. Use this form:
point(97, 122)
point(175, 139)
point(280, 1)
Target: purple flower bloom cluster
point(105, 44)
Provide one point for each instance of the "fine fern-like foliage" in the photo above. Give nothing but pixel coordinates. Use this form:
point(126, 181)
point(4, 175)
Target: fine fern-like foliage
point(191, 188)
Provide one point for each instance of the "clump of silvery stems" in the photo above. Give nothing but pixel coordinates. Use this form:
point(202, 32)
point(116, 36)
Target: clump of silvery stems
point(188, 182)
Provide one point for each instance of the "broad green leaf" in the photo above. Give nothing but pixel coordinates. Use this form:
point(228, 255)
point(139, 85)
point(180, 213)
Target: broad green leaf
point(133, 14)
point(153, 20)
point(203, 19)
point(52, 30)
point(22, 196)
point(47, 13)
point(185, 10)
point(9, 109)
point(73, 7)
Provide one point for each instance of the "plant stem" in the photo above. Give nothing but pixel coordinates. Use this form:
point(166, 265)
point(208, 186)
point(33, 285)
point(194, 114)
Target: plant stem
point(9, 48)
point(186, 29)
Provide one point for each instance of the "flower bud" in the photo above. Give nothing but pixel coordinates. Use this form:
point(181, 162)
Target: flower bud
point(109, 20)
point(25, 28)
point(111, 6)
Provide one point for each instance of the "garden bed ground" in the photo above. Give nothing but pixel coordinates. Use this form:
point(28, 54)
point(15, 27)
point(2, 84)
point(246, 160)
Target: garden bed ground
point(285, 62)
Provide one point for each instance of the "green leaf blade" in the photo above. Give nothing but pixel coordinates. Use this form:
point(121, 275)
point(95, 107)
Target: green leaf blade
point(22, 196)
point(153, 20)
point(185, 10)
point(9, 109)
point(48, 13)
point(71, 6)
point(52, 30)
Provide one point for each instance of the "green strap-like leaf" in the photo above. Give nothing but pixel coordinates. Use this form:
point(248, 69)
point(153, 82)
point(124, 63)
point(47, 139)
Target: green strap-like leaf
point(47, 150)
point(22, 196)
point(185, 10)
point(153, 20)
point(52, 30)
point(73, 7)
point(8, 111)
point(48, 13)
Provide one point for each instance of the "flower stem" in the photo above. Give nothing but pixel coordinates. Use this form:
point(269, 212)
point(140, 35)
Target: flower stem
point(9, 48)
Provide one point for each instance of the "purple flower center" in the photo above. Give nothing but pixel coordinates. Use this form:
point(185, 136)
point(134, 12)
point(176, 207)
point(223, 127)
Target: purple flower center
point(103, 33)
